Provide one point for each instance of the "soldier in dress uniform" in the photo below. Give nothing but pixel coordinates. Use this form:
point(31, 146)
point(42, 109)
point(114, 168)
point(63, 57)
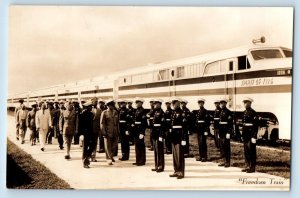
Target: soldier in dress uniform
point(188, 117)
point(21, 122)
point(110, 130)
point(202, 127)
point(124, 122)
point(21, 101)
point(150, 122)
point(96, 125)
point(68, 126)
point(131, 112)
point(158, 135)
point(86, 120)
point(225, 129)
point(168, 116)
point(139, 126)
point(249, 134)
point(178, 138)
point(31, 124)
point(216, 123)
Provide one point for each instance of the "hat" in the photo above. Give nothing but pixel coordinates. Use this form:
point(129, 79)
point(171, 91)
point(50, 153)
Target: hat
point(223, 100)
point(61, 102)
point(100, 100)
point(216, 101)
point(157, 100)
point(175, 99)
point(184, 101)
point(88, 103)
point(247, 99)
point(167, 101)
point(56, 102)
point(21, 101)
point(122, 100)
point(34, 105)
point(201, 100)
point(152, 100)
point(75, 101)
point(138, 99)
point(110, 102)
point(129, 101)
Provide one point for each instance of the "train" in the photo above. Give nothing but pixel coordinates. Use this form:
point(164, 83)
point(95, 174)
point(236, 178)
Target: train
point(257, 70)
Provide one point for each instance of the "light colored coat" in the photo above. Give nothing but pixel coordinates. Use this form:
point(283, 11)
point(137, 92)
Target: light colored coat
point(21, 118)
point(68, 122)
point(43, 120)
point(110, 123)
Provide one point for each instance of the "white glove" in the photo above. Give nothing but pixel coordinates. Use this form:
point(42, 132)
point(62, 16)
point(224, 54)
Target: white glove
point(126, 132)
point(228, 136)
point(141, 136)
point(183, 143)
point(253, 140)
point(160, 139)
point(170, 130)
point(205, 133)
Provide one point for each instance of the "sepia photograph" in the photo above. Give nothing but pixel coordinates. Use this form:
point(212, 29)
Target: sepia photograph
point(149, 98)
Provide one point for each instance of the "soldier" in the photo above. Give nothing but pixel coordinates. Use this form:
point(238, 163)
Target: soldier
point(21, 101)
point(249, 134)
point(178, 138)
point(43, 122)
point(216, 123)
point(68, 126)
point(103, 107)
point(158, 135)
point(86, 120)
point(150, 115)
point(21, 122)
point(188, 117)
point(124, 122)
point(110, 130)
point(131, 112)
point(168, 115)
point(77, 110)
point(139, 127)
point(225, 129)
point(31, 124)
point(202, 127)
point(96, 125)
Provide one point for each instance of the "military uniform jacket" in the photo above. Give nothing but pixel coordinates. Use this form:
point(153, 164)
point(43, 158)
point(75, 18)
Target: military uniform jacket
point(158, 124)
point(178, 124)
point(226, 121)
point(168, 117)
point(110, 123)
point(96, 121)
point(217, 117)
point(16, 113)
point(86, 119)
point(124, 120)
point(68, 122)
point(202, 119)
point(150, 116)
point(250, 124)
point(21, 118)
point(189, 118)
point(139, 121)
point(30, 122)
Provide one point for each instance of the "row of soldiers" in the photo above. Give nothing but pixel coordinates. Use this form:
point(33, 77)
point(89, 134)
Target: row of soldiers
point(107, 124)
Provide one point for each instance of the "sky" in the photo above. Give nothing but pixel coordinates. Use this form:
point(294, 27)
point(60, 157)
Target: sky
point(51, 45)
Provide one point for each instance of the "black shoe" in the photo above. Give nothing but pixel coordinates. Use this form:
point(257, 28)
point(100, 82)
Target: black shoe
point(227, 166)
point(61, 147)
point(86, 166)
point(173, 175)
point(67, 157)
point(250, 171)
point(154, 169)
point(42, 149)
point(17, 138)
point(222, 164)
point(23, 142)
point(101, 151)
point(180, 177)
point(245, 169)
point(203, 160)
point(159, 170)
point(94, 160)
point(113, 160)
point(134, 163)
point(198, 159)
point(141, 164)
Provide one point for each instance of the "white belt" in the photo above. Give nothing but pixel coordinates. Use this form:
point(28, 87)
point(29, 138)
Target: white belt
point(168, 119)
point(248, 124)
point(151, 118)
point(201, 121)
point(177, 127)
point(122, 121)
point(137, 122)
point(223, 122)
point(216, 118)
point(157, 125)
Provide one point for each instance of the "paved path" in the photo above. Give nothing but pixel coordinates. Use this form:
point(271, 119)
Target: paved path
point(125, 176)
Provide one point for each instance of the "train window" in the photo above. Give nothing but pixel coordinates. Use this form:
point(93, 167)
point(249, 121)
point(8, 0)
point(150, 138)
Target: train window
point(242, 62)
point(212, 68)
point(231, 66)
point(163, 74)
point(288, 53)
point(180, 72)
point(266, 54)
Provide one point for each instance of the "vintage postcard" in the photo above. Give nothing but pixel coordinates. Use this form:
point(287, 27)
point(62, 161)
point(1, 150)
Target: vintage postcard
point(149, 98)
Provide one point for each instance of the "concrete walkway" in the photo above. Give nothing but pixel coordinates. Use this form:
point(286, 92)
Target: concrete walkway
point(125, 176)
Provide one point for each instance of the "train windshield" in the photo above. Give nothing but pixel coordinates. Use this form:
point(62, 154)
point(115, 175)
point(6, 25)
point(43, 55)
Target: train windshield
point(266, 54)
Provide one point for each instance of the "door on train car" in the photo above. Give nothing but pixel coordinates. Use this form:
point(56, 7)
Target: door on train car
point(230, 66)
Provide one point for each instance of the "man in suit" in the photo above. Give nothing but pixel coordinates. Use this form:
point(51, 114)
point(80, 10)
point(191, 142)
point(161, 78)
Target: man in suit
point(96, 126)
point(110, 130)
point(21, 122)
point(31, 124)
point(250, 128)
point(21, 101)
point(68, 126)
point(43, 122)
point(58, 110)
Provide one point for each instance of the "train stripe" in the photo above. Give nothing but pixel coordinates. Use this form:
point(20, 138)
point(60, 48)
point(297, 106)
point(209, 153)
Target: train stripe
point(220, 91)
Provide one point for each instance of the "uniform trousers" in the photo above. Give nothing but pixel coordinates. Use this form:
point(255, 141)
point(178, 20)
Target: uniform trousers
point(158, 147)
point(250, 154)
point(68, 141)
point(111, 145)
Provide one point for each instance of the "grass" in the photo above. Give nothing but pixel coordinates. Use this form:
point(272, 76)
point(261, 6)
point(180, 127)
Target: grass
point(24, 172)
point(271, 161)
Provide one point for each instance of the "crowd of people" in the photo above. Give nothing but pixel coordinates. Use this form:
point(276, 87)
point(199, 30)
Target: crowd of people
point(99, 125)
